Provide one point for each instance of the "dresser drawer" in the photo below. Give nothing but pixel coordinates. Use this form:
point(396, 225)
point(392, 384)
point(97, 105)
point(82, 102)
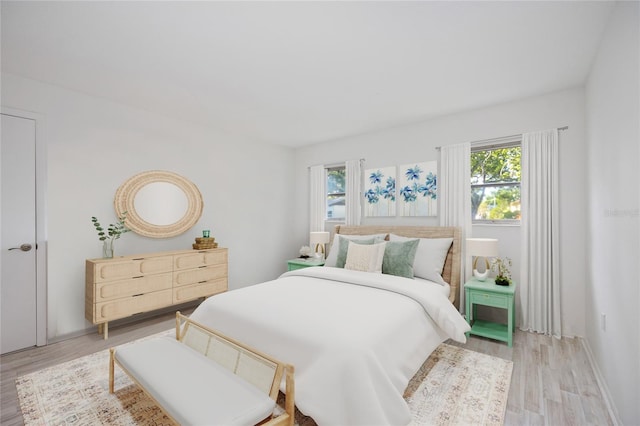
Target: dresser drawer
point(146, 284)
point(194, 276)
point(195, 291)
point(490, 299)
point(129, 268)
point(128, 285)
point(201, 258)
point(120, 308)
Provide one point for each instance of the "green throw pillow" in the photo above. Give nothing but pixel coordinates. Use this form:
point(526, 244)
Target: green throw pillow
point(398, 258)
point(344, 248)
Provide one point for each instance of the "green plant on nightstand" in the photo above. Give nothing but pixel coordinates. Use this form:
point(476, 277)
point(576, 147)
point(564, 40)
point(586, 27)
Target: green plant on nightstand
point(113, 232)
point(501, 265)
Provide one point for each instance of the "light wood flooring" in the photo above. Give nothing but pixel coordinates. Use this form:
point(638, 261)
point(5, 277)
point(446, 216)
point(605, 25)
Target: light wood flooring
point(552, 382)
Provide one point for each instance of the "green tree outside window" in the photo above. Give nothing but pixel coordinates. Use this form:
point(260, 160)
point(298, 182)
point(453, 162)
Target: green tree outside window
point(495, 184)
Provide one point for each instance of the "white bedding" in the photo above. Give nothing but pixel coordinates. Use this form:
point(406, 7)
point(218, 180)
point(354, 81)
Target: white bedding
point(444, 288)
point(354, 338)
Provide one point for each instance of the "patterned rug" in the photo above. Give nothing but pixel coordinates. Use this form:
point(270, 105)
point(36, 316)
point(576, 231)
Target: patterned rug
point(454, 386)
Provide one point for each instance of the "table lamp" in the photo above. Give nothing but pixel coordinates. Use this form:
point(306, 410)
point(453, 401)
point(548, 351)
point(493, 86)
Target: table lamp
point(482, 247)
point(318, 240)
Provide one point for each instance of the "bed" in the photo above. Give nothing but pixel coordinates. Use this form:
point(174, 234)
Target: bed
point(355, 338)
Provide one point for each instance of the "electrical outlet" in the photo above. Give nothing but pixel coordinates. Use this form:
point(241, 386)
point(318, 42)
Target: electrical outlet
point(603, 322)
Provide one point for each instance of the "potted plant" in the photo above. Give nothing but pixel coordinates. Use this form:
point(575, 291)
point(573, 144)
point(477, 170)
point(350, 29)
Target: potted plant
point(113, 232)
point(305, 252)
point(501, 267)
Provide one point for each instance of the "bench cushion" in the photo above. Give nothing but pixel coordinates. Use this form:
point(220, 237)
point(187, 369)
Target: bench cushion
point(193, 389)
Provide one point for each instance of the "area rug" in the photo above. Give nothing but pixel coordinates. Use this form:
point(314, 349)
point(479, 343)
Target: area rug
point(454, 386)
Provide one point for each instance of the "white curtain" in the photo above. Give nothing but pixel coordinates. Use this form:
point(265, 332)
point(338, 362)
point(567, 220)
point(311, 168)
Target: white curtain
point(317, 198)
point(454, 193)
point(539, 286)
point(353, 191)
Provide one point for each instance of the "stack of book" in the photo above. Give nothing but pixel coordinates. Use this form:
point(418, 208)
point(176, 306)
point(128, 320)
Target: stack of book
point(205, 243)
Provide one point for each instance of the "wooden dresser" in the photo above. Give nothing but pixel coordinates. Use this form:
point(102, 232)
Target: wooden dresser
point(127, 285)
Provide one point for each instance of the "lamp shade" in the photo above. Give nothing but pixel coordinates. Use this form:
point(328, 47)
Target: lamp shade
point(318, 238)
point(484, 247)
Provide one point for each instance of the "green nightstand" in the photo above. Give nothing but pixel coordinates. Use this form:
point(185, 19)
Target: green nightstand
point(300, 263)
point(487, 293)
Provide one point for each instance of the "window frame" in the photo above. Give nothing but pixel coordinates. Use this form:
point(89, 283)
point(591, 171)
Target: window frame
point(327, 170)
point(511, 142)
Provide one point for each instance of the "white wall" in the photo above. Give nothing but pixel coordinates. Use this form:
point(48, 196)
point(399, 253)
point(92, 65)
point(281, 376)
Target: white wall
point(94, 145)
point(417, 142)
point(613, 286)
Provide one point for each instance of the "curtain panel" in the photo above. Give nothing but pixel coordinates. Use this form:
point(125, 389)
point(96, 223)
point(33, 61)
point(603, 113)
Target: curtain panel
point(353, 209)
point(317, 198)
point(539, 287)
point(454, 193)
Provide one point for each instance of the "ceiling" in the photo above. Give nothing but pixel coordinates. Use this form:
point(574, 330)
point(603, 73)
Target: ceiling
point(297, 73)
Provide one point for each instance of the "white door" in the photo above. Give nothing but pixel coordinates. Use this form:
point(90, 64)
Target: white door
point(18, 234)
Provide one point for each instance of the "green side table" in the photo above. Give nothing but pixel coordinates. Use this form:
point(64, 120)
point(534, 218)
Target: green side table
point(300, 263)
point(487, 293)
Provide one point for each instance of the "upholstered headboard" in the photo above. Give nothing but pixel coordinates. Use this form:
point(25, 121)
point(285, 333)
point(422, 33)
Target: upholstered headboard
point(451, 270)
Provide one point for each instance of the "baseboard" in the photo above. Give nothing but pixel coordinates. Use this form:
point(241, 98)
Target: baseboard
point(126, 321)
point(602, 384)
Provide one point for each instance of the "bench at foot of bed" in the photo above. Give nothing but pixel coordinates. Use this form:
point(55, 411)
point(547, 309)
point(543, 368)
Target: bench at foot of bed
point(203, 377)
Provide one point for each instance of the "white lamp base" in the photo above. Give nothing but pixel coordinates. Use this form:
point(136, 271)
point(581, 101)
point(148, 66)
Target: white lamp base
point(480, 276)
point(319, 254)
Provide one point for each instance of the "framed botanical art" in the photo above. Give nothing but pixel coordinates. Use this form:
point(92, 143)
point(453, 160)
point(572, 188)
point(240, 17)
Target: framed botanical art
point(417, 185)
point(380, 192)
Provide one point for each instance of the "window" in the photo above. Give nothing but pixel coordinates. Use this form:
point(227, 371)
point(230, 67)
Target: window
point(495, 183)
point(336, 181)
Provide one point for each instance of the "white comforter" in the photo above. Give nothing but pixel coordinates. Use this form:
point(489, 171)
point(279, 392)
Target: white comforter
point(355, 338)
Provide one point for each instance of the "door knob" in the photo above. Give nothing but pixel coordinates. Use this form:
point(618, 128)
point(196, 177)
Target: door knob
point(23, 247)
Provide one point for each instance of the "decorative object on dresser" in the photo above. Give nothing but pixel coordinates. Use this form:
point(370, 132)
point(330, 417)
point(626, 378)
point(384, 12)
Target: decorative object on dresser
point(318, 240)
point(482, 247)
point(300, 263)
point(487, 293)
point(113, 232)
point(123, 286)
point(160, 204)
point(205, 242)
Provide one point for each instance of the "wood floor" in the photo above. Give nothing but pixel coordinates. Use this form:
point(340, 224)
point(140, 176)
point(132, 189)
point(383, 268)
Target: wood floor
point(552, 382)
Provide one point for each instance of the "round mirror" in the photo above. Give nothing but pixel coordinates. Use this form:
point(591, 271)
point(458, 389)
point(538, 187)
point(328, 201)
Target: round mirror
point(159, 204)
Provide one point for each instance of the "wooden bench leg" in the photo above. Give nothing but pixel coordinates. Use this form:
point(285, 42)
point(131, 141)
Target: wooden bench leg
point(289, 404)
point(111, 369)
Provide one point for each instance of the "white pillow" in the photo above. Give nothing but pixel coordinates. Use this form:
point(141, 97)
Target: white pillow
point(430, 257)
point(367, 258)
point(332, 258)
